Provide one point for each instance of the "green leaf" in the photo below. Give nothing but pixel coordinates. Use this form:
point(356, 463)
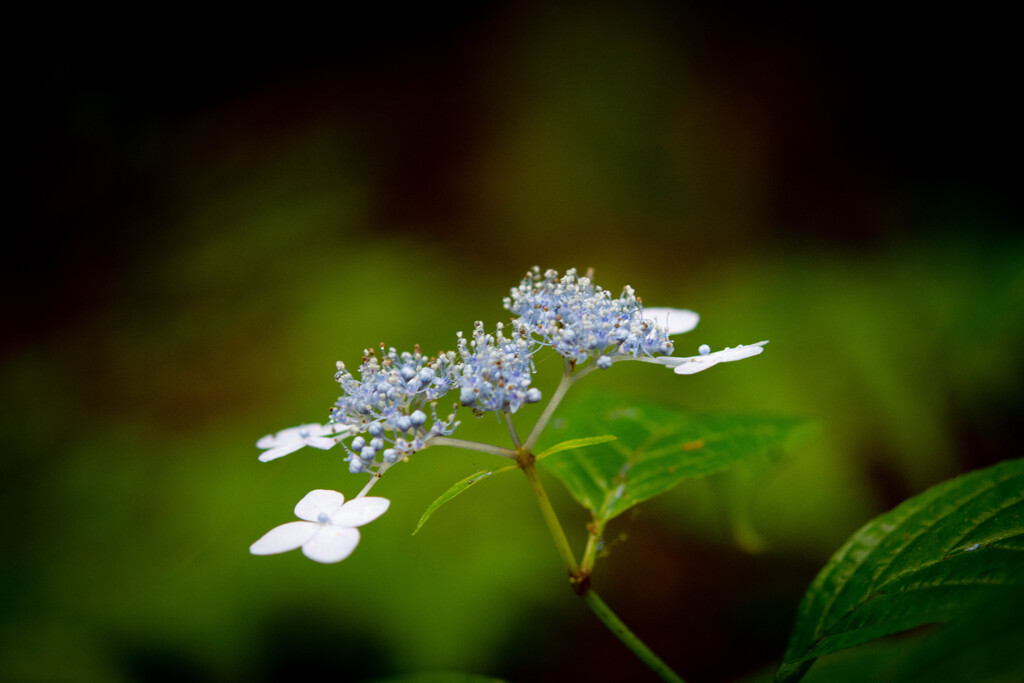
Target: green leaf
point(457, 488)
point(575, 443)
point(657, 448)
point(923, 562)
point(460, 486)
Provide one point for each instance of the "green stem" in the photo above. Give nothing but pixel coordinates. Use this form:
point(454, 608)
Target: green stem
point(512, 429)
point(579, 576)
point(525, 460)
point(594, 532)
point(568, 379)
point(628, 638)
point(374, 478)
point(471, 446)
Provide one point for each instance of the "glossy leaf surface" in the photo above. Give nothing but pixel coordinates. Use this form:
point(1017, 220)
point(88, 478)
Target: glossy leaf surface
point(926, 561)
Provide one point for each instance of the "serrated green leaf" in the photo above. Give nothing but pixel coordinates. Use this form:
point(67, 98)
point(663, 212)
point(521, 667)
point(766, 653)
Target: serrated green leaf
point(923, 562)
point(575, 443)
point(457, 488)
point(657, 448)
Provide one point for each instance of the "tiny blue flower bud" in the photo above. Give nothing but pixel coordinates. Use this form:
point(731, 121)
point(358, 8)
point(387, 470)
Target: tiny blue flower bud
point(391, 456)
point(323, 518)
point(368, 454)
point(418, 418)
point(356, 466)
point(404, 423)
point(358, 443)
point(704, 349)
point(376, 443)
point(467, 396)
point(376, 429)
point(604, 362)
point(426, 374)
point(533, 395)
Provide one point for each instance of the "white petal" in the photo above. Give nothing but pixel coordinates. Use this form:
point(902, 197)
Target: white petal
point(360, 511)
point(693, 364)
point(266, 442)
point(287, 435)
point(300, 432)
point(315, 502)
point(676, 320)
point(283, 538)
point(331, 544)
point(320, 442)
point(740, 352)
point(274, 453)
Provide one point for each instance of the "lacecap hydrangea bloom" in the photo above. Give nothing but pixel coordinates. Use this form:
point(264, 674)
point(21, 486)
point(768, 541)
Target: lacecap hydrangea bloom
point(390, 410)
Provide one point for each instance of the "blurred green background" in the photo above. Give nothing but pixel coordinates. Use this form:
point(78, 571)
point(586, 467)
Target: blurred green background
point(215, 219)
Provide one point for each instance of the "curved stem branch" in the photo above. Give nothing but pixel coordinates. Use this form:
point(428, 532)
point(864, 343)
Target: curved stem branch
point(629, 639)
point(579, 577)
point(374, 478)
point(512, 428)
point(525, 460)
point(568, 379)
point(472, 446)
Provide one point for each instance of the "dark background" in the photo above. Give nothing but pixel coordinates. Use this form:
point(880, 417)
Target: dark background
point(208, 214)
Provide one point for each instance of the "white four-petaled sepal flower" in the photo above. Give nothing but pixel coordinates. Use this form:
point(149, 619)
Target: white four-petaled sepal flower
point(328, 533)
point(292, 439)
point(688, 366)
point(675, 320)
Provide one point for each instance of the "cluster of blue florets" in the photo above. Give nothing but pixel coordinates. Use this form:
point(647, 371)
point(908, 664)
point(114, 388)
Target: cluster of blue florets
point(387, 403)
point(579, 320)
point(496, 371)
point(390, 411)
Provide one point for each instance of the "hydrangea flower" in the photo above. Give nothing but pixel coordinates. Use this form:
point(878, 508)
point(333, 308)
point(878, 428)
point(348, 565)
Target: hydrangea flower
point(292, 439)
point(390, 402)
point(328, 533)
point(706, 359)
point(579, 320)
point(496, 372)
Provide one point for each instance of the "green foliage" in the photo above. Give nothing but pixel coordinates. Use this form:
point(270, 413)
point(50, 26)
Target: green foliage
point(456, 488)
point(658, 446)
point(570, 444)
point(931, 559)
point(463, 484)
